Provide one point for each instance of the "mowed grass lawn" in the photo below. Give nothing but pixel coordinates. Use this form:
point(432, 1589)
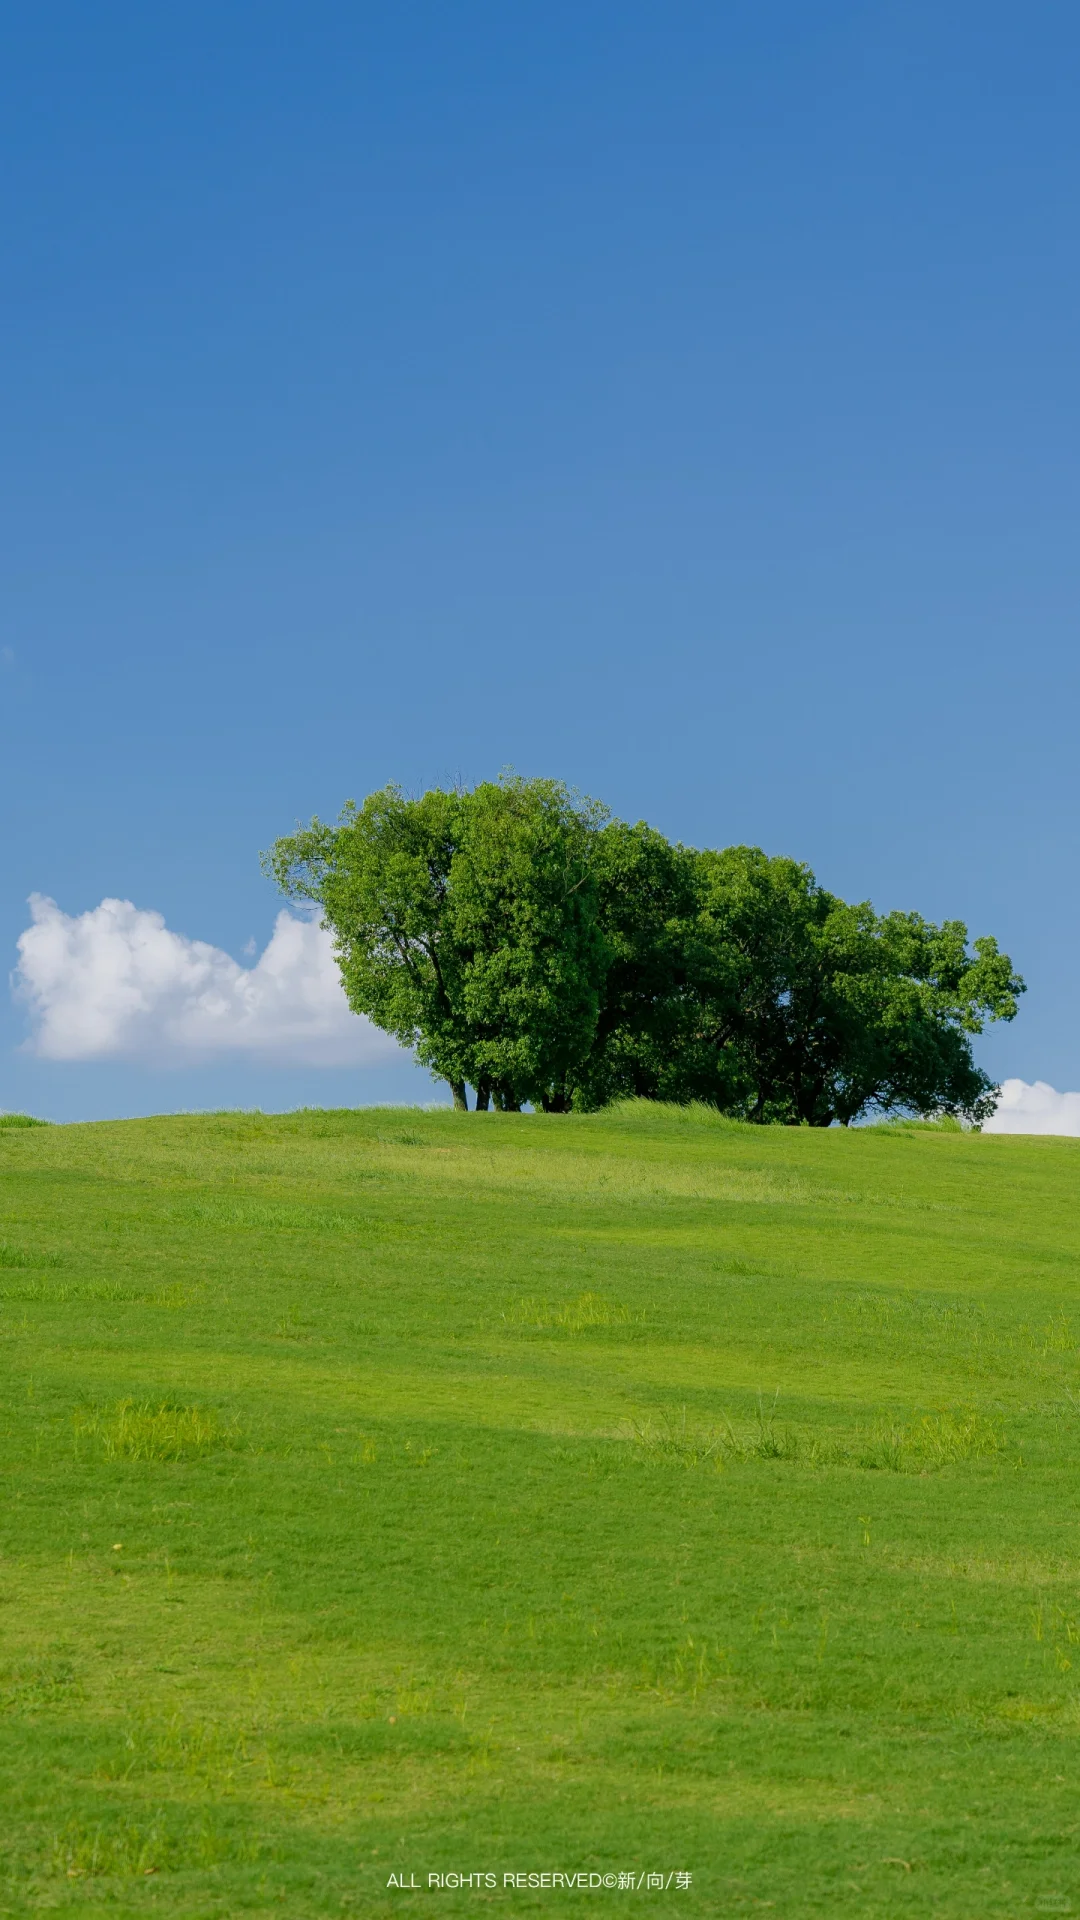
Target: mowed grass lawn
point(396, 1493)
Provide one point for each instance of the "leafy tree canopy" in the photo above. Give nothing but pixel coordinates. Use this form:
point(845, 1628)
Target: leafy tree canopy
point(524, 943)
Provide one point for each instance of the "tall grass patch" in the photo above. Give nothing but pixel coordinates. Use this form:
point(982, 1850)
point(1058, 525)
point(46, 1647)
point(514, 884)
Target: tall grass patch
point(923, 1444)
point(588, 1313)
point(149, 1430)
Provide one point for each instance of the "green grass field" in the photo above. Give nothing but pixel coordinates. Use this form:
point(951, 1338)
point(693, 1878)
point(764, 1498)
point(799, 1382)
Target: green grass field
point(399, 1493)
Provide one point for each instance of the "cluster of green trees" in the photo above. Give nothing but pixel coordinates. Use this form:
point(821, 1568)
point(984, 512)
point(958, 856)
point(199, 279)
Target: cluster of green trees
point(526, 944)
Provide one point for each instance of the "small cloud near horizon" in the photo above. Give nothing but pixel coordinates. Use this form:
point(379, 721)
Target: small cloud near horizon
point(1037, 1108)
point(116, 982)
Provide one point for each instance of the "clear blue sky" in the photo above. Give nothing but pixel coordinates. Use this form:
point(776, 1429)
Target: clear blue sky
point(679, 399)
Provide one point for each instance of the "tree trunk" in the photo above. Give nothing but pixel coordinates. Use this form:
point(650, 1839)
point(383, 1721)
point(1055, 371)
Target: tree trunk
point(461, 1098)
point(483, 1095)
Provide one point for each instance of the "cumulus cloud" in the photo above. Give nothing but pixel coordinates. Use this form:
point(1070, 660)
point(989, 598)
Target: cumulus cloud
point(1035, 1109)
point(116, 982)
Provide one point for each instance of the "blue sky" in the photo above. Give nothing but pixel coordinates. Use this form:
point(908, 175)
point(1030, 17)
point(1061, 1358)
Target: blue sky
point(681, 400)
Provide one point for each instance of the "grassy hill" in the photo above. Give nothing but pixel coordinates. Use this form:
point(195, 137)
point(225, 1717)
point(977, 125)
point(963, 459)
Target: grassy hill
point(403, 1493)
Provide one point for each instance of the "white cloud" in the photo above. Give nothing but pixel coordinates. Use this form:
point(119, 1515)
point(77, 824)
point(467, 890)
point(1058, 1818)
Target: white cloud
point(1035, 1109)
point(115, 982)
